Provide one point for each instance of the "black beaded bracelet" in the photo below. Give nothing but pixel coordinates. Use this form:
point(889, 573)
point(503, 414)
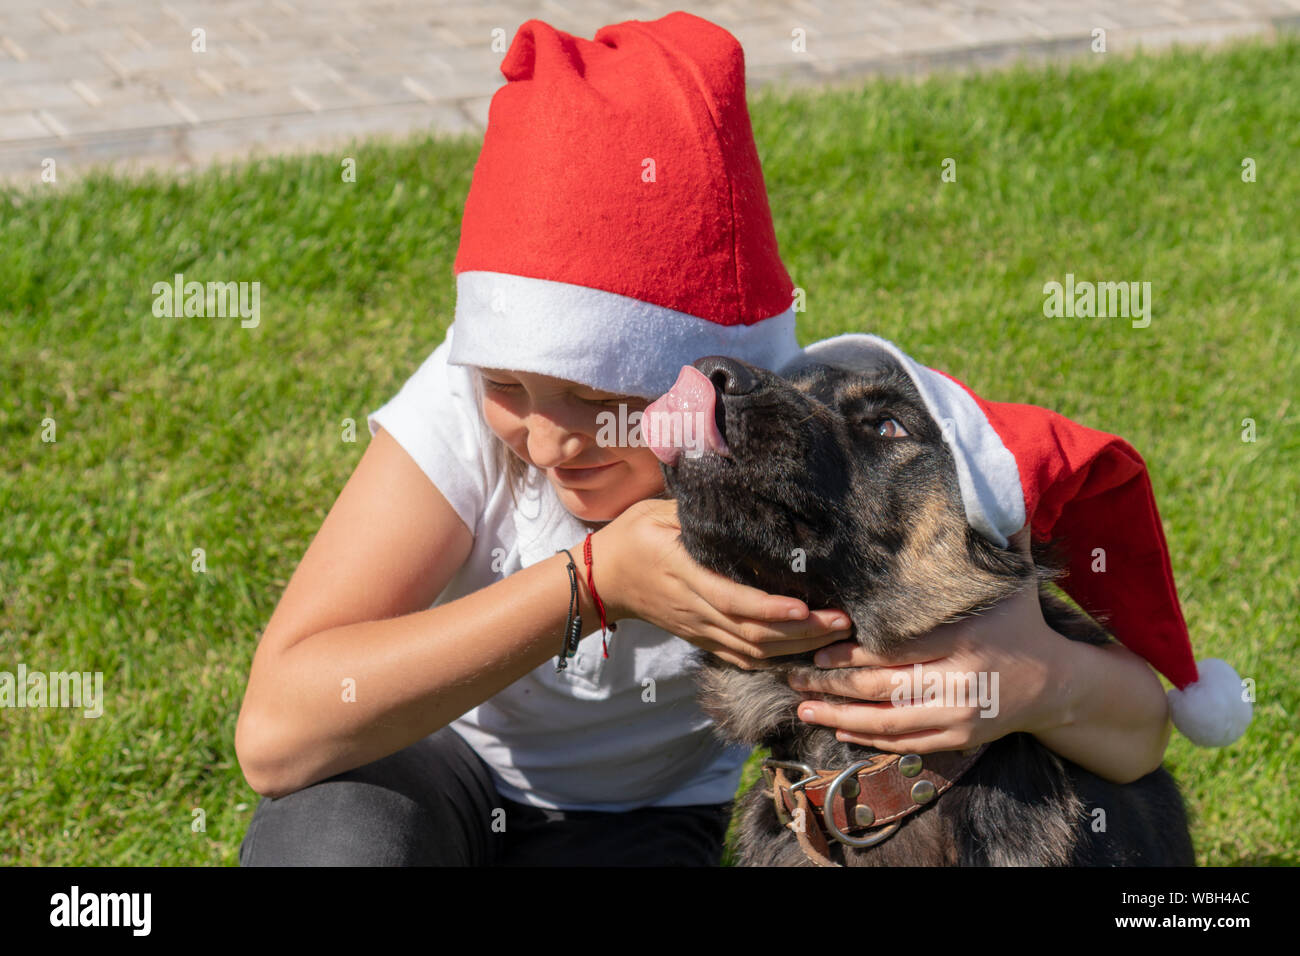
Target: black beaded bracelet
point(573, 626)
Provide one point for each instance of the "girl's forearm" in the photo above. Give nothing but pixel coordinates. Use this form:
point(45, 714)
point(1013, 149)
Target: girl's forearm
point(411, 675)
point(1114, 717)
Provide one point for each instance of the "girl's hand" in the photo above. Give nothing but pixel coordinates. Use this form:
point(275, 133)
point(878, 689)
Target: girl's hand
point(642, 571)
point(1025, 675)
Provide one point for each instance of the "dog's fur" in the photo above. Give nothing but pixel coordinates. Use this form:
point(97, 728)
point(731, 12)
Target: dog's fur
point(881, 523)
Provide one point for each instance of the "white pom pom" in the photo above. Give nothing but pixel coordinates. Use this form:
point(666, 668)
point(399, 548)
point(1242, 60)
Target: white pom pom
point(1211, 712)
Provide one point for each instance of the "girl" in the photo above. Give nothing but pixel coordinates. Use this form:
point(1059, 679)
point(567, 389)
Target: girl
point(406, 704)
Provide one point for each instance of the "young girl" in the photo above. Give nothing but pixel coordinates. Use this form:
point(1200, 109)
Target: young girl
point(405, 704)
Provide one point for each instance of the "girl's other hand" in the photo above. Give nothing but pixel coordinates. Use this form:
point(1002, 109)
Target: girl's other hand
point(1022, 664)
point(643, 571)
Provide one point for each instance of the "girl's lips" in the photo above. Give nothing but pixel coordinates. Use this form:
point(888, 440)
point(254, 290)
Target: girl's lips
point(567, 475)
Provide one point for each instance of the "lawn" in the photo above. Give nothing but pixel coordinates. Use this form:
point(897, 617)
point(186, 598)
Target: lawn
point(175, 434)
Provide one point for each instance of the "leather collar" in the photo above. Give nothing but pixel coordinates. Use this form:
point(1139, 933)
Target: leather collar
point(863, 804)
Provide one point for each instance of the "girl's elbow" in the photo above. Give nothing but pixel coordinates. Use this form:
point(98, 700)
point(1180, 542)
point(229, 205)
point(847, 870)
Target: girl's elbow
point(1153, 759)
point(254, 749)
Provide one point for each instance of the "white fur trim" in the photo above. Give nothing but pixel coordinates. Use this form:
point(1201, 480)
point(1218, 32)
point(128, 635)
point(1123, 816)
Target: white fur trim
point(986, 471)
point(1211, 712)
point(604, 340)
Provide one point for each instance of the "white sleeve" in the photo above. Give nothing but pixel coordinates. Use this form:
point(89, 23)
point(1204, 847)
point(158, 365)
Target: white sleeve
point(436, 419)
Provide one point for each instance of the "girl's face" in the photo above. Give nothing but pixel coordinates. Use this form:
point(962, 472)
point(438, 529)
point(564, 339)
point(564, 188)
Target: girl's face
point(552, 424)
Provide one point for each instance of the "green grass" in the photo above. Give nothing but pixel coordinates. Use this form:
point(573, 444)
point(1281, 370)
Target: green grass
point(175, 434)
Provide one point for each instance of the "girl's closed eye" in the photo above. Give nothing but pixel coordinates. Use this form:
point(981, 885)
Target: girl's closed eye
point(632, 403)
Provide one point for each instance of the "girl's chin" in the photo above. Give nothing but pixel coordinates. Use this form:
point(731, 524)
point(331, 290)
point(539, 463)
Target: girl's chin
point(594, 507)
point(599, 505)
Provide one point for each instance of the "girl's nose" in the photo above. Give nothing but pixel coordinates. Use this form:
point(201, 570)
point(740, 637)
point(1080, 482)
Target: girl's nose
point(552, 441)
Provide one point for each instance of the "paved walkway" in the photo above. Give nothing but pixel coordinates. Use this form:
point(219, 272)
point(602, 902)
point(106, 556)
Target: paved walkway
point(95, 81)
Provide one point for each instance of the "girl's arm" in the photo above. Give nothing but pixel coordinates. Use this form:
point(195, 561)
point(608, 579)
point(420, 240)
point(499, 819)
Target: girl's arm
point(1114, 717)
point(354, 664)
point(356, 615)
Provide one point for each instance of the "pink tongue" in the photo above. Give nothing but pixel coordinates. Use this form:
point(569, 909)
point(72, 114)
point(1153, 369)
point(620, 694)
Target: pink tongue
point(683, 419)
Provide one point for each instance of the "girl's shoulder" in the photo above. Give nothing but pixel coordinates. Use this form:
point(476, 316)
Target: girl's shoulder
point(437, 419)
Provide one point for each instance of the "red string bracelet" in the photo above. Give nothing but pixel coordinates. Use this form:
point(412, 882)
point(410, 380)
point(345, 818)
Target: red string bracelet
point(600, 605)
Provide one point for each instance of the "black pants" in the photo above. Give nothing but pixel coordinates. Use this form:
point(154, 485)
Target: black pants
point(433, 804)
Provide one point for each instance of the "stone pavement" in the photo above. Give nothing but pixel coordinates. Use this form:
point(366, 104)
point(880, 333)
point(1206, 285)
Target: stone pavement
point(178, 84)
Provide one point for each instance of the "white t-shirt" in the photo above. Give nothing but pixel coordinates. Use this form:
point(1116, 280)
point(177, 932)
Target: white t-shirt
point(588, 738)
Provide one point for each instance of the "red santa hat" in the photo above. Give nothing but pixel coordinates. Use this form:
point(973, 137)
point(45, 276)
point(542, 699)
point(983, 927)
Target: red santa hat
point(1020, 464)
point(617, 226)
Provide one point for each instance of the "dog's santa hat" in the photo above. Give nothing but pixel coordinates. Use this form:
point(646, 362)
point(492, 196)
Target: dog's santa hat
point(1020, 464)
point(617, 226)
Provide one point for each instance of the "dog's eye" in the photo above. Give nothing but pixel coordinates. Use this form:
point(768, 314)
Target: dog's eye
point(889, 428)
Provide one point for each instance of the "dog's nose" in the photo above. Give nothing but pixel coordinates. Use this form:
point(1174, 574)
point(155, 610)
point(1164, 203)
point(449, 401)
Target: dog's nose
point(728, 375)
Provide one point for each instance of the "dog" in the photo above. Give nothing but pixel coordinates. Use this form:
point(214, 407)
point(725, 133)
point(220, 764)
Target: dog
point(835, 486)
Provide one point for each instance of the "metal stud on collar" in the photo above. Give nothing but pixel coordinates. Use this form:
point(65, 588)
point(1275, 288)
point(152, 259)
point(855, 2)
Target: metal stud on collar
point(828, 811)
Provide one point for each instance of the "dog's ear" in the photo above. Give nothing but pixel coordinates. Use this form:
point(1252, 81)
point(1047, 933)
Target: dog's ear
point(1014, 561)
point(852, 352)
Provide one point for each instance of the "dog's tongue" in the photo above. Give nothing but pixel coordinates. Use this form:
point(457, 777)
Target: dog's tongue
point(683, 417)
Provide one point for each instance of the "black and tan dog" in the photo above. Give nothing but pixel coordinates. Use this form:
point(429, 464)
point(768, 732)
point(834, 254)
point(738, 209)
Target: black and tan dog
point(849, 467)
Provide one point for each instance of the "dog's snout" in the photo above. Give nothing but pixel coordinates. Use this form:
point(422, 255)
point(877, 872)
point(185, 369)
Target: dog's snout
point(729, 376)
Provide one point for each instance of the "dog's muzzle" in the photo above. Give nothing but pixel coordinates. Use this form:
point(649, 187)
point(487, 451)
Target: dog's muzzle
point(874, 794)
